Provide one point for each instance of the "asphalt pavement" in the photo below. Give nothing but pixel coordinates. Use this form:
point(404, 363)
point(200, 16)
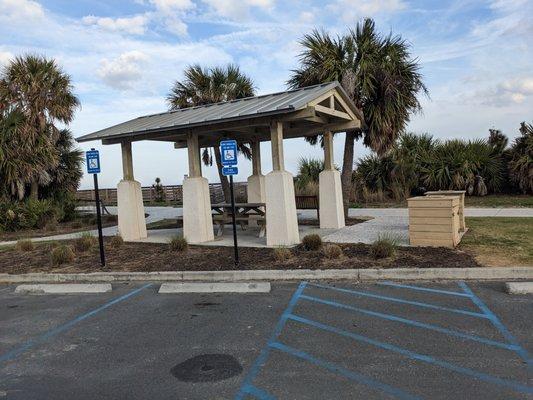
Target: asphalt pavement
point(304, 340)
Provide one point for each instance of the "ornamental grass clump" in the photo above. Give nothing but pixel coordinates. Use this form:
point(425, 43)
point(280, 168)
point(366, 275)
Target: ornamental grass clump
point(282, 254)
point(178, 243)
point(116, 241)
point(332, 251)
point(312, 242)
point(24, 245)
point(85, 242)
point(384, 246)
point(62, 254)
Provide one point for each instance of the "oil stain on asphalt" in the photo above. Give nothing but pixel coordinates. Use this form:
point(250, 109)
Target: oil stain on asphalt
point(207, 368)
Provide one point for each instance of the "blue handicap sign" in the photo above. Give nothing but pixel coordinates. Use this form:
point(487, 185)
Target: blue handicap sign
point(228, 150)
point(93, 161)
point(228, 171)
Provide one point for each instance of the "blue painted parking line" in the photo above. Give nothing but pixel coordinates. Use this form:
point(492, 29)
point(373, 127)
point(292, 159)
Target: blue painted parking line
point(344, 372)
point(399, 300)
point(263, 356)
point(53, 332)
point(257, 393)
point(498, 325)
point(417, 356)
point(423, 289)
point(406, 321)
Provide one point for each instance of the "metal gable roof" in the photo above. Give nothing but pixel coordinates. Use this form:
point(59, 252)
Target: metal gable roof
point(250, 107)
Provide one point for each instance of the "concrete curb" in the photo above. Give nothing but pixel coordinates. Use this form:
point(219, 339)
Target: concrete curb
point(215, 287)
point(519, 287)
point(64, 288)
point(361, 275)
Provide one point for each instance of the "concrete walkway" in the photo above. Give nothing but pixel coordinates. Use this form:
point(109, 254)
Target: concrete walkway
point(385, 221)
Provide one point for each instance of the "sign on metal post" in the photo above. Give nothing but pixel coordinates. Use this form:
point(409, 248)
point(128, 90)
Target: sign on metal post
point(93, 167)
point(230, 171)
point(93, 161)
point(228, 150)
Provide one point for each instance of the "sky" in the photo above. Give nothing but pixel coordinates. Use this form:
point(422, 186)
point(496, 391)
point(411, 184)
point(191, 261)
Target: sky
point(123, 56)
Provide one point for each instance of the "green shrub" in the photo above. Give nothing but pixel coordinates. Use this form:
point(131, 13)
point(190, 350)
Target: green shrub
point(332, 251)
point(116, 241)
point(62, 254)
point(76, 224)
point(282, 254)
point(384, 246)
point(24, 245)
point(30, 214)
point(84, 243)
point(312, 242)
point(178, 243)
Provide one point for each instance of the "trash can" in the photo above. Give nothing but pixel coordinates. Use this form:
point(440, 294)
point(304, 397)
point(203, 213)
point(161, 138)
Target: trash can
point(434, 221)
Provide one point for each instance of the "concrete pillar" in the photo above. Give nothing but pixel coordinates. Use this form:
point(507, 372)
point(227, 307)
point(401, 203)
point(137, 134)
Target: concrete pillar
point(256, 181)
point(131, 220)
point(282, 222)
point(197, 219)
point(330, 190)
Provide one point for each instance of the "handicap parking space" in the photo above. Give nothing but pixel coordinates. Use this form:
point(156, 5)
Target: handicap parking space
point(305, 340)
point(395, 342)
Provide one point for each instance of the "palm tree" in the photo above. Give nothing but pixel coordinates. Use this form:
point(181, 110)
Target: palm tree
point(41, 92)
point(379, 75)
point(212, 85)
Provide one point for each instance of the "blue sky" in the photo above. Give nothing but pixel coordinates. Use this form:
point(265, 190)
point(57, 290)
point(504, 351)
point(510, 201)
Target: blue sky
point(123, 56)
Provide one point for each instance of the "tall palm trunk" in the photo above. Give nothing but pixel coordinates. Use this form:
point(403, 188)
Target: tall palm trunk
point(223, 179)
point(347, 170)
point(34, 190)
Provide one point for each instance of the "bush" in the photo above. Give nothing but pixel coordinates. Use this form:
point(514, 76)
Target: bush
point(332, 251)
point(24, 245)
point(76, 224)
point(62, 254)
point(312, 242)
point(30, 214)
point(116, 241)
point(282, 254)
point(384, 246)
point(84, 243)
point(178, 243)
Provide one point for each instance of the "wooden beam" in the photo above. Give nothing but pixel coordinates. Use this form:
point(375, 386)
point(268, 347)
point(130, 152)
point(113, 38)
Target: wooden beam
point(332, 112)
point(276, 139)
point(195, 168)
point(127, 161)
point(328, 151)
point(256, 158)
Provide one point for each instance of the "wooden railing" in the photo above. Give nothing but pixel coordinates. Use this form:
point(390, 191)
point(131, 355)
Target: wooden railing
point(172, 194)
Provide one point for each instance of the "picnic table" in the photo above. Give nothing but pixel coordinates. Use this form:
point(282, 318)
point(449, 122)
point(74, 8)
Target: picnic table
point(244, 212)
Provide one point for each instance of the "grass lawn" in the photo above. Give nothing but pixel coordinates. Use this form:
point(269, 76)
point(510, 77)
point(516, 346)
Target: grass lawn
point(493, 200)
point(500, 241)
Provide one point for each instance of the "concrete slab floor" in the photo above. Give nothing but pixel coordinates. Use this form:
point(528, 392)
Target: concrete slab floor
point(302, 341)
point(246, 238)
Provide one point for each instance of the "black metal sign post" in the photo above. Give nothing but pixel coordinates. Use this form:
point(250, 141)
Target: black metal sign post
point(236, 249)
point(93, 167)
point(99, 219)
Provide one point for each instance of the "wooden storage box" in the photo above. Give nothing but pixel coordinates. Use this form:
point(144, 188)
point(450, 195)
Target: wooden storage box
point(434, 221)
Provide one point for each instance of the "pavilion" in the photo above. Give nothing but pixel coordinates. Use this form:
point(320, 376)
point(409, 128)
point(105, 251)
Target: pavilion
point(315, 110)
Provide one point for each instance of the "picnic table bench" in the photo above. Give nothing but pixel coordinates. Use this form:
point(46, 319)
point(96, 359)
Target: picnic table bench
point(244, 213)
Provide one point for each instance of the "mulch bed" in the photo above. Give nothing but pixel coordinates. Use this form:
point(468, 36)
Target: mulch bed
point(145, 257)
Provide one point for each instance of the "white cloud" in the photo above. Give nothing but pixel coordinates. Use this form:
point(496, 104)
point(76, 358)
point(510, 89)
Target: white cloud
point(238, 10)
point(20, 9)
point(135, 25)
point(121, 72)
point(5, 57)
point(171, 6)
point(510, 91)
point(355, 9)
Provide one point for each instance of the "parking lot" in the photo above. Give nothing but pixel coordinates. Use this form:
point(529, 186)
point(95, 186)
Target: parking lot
point(303, 340)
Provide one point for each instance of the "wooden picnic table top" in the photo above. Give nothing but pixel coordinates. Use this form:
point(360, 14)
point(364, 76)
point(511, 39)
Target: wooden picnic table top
point(240, 205)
